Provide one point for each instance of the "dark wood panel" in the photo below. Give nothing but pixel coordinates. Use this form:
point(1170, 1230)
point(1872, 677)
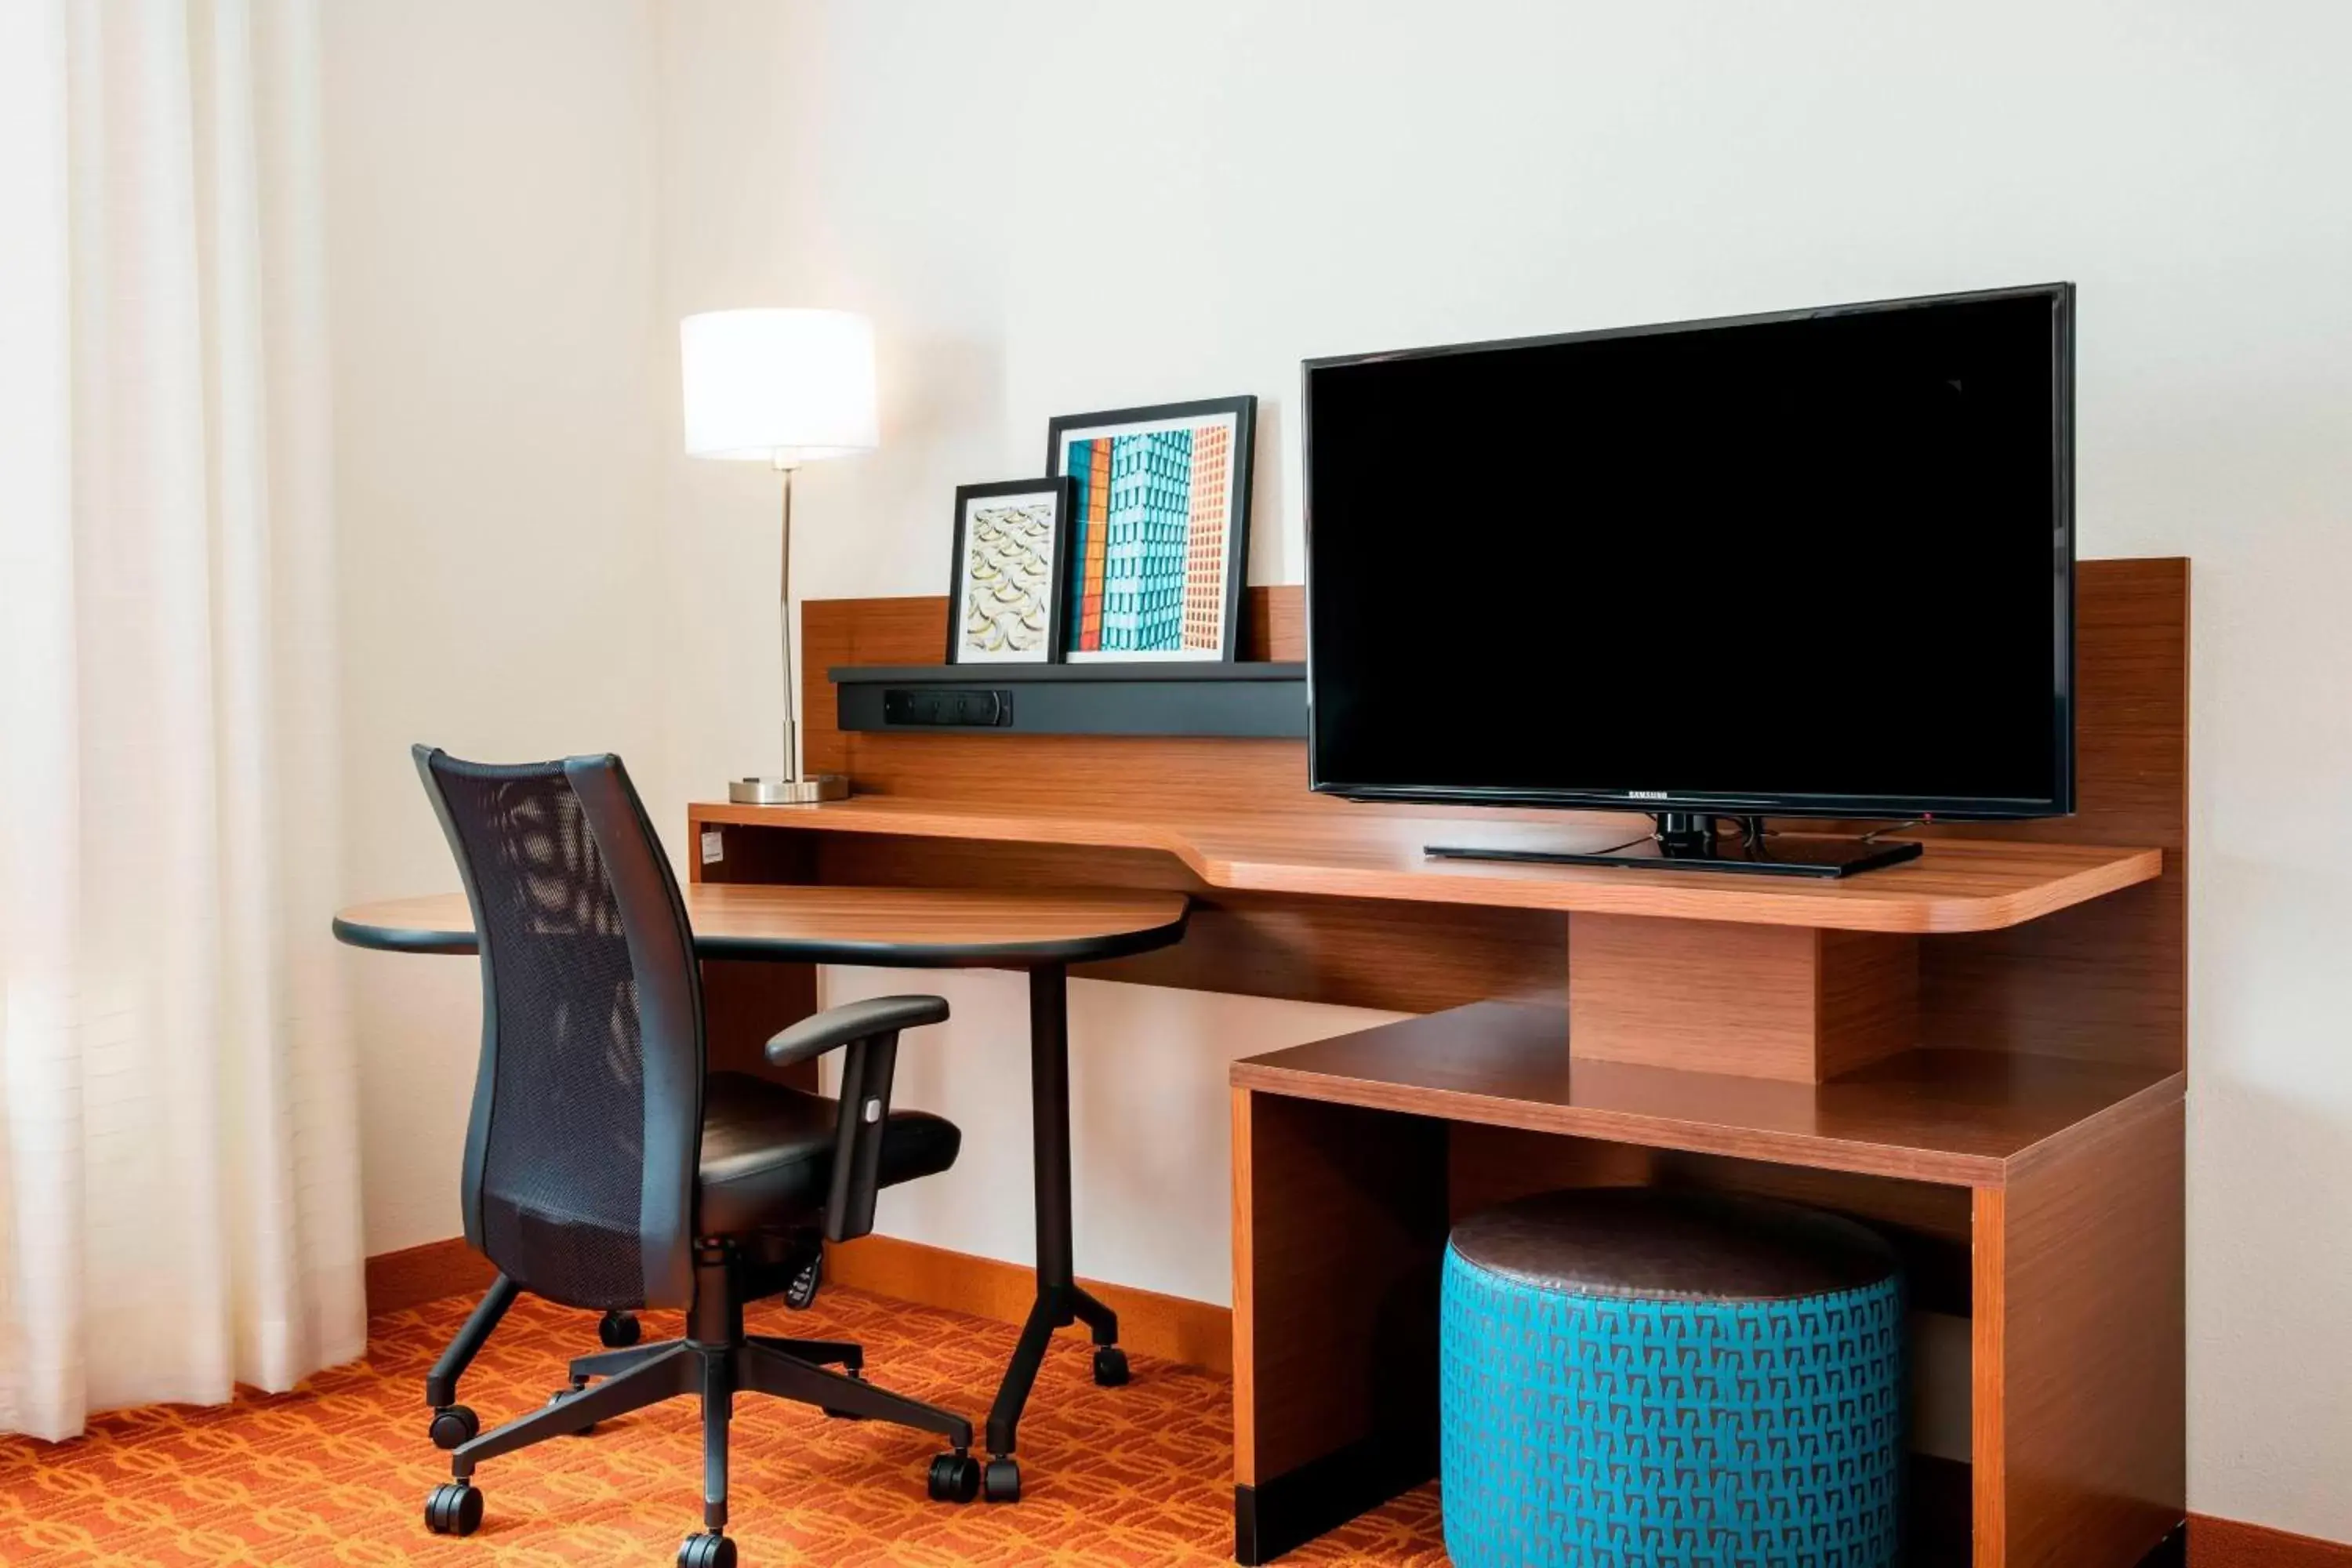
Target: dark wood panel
point(1490, 1166)
point(2107, 980)
point(1274, 622)
point(1358, 953)
point(415, 1275)
point(2131, 711)
point(1939, 1504)
point(2226, 1544)
point(744, 1004)
point(2080, 1388)
point(1193, 1333)
point(751, 859)
point(1929, 1223)
point(1340, 1229)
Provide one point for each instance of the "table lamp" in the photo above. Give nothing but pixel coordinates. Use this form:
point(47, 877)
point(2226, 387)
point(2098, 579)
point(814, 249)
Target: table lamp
point(784, 387)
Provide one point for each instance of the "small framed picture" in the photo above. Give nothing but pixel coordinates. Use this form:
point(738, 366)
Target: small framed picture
point(1004, 601)
point(1159, 533)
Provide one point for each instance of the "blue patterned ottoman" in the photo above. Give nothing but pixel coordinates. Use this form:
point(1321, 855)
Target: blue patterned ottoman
point(1633, 1378)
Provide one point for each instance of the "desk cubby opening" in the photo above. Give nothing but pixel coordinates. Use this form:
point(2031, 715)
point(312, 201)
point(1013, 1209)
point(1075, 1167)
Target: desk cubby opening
point(1340, 1222)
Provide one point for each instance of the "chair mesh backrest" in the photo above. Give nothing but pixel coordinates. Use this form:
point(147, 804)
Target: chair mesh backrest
point(562, 1160)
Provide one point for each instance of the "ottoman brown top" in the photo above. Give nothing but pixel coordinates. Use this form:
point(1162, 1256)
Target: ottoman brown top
point(1649, 1243)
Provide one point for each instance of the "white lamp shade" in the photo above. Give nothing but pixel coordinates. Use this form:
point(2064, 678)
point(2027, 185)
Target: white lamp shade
point(786, 385)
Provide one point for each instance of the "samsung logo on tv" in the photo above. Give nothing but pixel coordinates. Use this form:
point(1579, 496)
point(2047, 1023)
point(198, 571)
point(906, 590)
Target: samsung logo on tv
point(1647, 794)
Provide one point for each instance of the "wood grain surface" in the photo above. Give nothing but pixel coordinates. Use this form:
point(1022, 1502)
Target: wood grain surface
point(2226, 1544)
point(2108, 979)
point(1195, 1333)
point(2079, 1397)
point(791, 917)
point(1781, 1002)
point(1961, 1117)
point(1377, 852)
point(1239, 816)
point(415, 1275)
point(1339, 1227)
point(2010, 1154)
point(1356, 953)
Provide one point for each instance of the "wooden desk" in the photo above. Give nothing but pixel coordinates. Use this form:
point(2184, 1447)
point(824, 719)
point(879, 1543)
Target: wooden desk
point(1375, 852)
point(740, 931)
point(897, 927)
point(1983, 1052)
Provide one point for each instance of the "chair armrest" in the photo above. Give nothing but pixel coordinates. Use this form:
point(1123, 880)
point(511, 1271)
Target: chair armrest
point(870, 1030)
point(835, 1026)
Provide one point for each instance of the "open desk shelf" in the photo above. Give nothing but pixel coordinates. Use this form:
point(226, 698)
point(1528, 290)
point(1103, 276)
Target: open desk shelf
point(1964, 1118)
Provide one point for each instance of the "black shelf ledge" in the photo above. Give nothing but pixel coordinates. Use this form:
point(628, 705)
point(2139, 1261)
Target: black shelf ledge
point(1251, 700)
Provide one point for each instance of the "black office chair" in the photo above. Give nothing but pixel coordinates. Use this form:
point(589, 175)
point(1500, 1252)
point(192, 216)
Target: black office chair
point(605, 1170)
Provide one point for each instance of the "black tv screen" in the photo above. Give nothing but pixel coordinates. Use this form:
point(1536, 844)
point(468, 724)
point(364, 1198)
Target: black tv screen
point(1813, 563)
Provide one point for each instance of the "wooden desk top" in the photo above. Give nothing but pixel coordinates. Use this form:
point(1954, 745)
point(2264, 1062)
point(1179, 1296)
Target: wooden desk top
point(1375, 852)
point(927, 928)
point(1961, 1117)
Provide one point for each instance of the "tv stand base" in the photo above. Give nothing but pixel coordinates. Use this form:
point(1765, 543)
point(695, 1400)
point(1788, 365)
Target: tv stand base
point(1687, 841)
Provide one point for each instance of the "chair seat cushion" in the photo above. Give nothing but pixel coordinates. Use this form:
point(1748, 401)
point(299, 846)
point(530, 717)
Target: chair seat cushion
point(1671, 1246)
point(767, 1153)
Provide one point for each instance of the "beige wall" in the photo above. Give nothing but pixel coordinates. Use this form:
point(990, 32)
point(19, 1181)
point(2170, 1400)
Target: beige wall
point(489, 178)
point(1280, 180)
point(1291, 179)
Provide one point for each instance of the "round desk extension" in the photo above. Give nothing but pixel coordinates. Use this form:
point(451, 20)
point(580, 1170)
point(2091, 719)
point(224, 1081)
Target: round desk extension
point(1039, 932)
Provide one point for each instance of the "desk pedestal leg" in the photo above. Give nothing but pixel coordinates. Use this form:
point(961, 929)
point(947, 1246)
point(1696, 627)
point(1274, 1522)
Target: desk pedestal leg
point(1060, 1302)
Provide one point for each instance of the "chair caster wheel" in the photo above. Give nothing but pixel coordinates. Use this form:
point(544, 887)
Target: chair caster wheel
point(558, 1397)
point(707, 1552)
point(453, 1425)
point(454, 1508)
point(619, 1330)
point(1000, 1482)
point(855, 1374)
point(1110, 1366)
point(955, 1478)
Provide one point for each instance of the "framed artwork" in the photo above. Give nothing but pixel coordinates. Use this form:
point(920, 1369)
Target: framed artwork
point(1159, 533)
point(1004, 599)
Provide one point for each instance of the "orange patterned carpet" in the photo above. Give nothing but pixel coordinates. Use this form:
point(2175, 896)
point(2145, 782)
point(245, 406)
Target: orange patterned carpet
point(337, 1471)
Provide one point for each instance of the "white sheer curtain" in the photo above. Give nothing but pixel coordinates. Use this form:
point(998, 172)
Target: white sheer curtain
point(178, 1140)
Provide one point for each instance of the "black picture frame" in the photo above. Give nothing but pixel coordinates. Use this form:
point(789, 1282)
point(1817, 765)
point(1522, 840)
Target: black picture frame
point(1056, 577)
point(1242, 411)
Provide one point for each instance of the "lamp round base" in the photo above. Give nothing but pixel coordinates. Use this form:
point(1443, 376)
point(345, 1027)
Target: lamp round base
point(789, 791)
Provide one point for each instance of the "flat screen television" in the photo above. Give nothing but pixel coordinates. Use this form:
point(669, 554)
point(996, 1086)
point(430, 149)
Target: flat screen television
point(1813, 563)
